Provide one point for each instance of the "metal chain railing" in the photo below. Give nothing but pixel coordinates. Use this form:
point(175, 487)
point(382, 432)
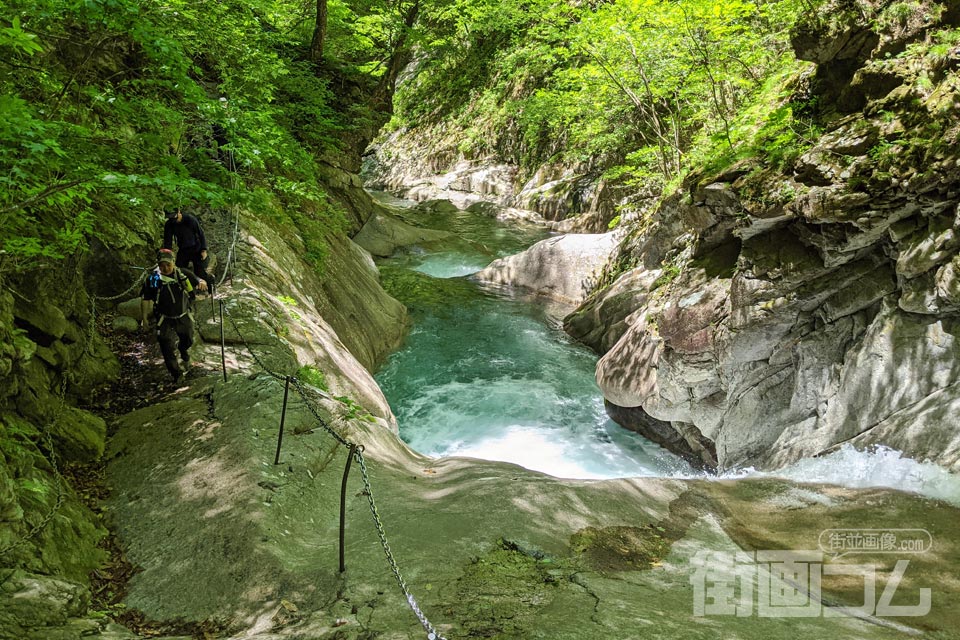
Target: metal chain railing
point(233, 246)
point(316, 414)
point(92, 327)
point(45, 431)
point(48, 441)
point(432, 633)
point(232, 167)
point(252, 353)
point(145, 273)
point(357, 450)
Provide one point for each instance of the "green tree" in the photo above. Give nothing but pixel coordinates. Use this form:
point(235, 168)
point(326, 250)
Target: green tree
point(625, 83)
point(111, 109)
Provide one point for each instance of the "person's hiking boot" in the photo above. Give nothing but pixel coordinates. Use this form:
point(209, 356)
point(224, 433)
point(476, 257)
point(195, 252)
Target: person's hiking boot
point(176, 376)
point(185, 358)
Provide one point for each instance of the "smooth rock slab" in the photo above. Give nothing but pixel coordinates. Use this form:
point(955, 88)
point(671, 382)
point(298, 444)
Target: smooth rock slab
point(565, 268)
point(382, 235)
point(487, 549)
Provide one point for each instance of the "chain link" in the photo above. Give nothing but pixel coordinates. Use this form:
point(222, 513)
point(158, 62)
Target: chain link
point(233, 246)
point(235, 183)
point(432, 633)
point(45, 432)
point(249, 349)
point(48, 441)
point(295, 381)
point(316, 414)
point(92, 327)
point(139, 280)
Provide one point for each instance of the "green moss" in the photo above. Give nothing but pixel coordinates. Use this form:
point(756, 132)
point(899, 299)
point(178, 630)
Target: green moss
point(621, 548)
point(670, 273)
point(613, 269)
point(499, 589)
point(418, 290)
point(353, 410)
point(65, 541)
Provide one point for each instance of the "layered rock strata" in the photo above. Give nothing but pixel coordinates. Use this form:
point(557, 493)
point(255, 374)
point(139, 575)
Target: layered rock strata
point(774, 315)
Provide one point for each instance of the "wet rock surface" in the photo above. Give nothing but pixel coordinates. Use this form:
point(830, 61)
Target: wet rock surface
point(831, 311)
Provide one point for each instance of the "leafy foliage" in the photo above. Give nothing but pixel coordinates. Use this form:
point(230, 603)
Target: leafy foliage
point(626, 88)
point(111, 109)
point(313, 376)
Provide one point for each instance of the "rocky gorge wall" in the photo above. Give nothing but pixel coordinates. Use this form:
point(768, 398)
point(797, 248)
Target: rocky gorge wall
point(768, 313)
point(54, 367)
point(229, 544)
point(417, 166)
point(774, 315)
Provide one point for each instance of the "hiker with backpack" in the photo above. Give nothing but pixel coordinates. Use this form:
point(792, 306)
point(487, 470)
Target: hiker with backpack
point(171, 289)
point(191, 243)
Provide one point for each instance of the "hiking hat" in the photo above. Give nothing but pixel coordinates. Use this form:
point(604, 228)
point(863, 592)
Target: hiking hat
point(171, 213)
point(165, 255)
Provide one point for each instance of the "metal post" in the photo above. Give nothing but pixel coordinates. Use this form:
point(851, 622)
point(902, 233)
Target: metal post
point(283, 416)
point(343, 502)
point(223, 345)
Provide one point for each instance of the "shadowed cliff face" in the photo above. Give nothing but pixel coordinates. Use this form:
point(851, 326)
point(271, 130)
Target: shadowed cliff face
point(788, 324)
point(53, 360)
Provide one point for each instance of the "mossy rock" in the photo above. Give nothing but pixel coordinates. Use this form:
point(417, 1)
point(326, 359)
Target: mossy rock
point(621, 548)
point(772, 514)
point(501, 588)
point(30, 601)
point(80, 435)
point(43, 317)
point(65, 544)
point(419, 290)
point(437, 206)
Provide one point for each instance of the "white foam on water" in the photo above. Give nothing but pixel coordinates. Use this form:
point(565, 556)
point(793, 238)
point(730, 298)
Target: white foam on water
point(876, 466)
point(528, 423)
point(450, 265)
point(492, 381)
point(530, 448)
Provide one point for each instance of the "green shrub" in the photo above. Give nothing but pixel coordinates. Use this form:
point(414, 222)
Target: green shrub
point(312, 376)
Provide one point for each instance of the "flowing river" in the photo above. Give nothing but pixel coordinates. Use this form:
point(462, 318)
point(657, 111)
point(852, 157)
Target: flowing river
point(489, 373)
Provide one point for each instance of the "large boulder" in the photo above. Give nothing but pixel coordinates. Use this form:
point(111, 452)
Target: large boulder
point(603, 318)
point(564, 268)
point(348, 297)
point(383, 234)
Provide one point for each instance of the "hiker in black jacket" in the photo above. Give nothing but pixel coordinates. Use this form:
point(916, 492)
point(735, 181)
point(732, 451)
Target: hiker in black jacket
point(191, 243)
point(170, 289)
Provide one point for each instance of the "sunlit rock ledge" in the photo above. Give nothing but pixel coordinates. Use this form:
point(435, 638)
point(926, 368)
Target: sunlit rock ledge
point(226, 537)
point(564, 268)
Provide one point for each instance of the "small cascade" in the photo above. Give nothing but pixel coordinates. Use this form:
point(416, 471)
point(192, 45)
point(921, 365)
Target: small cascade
point(875, 466)
point(488, 374)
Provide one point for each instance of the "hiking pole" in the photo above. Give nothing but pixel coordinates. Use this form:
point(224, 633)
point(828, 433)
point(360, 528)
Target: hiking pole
point(283, 416)
point(343, 502)
point(223, 345)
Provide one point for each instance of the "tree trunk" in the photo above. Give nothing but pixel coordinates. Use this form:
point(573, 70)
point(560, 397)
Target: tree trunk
point(399, 57)
point(319, 32)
